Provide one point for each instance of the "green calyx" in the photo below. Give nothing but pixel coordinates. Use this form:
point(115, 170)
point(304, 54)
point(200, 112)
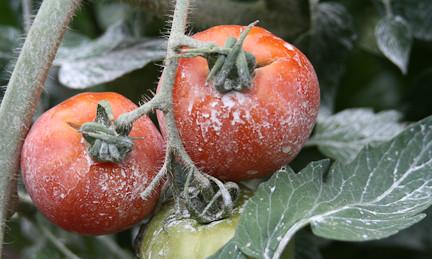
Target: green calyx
point(106, 143)
point(232, 71)
point(231, 67)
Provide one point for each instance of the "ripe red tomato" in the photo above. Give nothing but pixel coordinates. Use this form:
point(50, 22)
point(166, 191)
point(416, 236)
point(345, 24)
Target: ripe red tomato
point(77, 193)
point(243, 135)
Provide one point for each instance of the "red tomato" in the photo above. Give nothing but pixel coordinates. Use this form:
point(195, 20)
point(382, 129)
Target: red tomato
point(77, 193)
point(242, 135)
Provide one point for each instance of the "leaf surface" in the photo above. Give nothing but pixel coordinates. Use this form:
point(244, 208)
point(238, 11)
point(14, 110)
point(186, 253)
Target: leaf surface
point(394, 38)
point(109, 57)
point(342, 135)
point(382, 191)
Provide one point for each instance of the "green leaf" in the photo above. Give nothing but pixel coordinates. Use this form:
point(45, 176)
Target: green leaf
point(343, 135)
point(305, 247)
point(327, 44)
point(417, 237)
point(418, 14)
point(117, 35)
point(381, 192)
point(394, 38)
point(109, 57)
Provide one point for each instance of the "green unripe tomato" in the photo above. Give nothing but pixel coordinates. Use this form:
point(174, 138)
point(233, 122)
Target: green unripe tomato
point(169, 238)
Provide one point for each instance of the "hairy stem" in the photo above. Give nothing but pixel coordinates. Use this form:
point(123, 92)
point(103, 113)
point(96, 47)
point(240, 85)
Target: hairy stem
point(163, 99)
point(25, 87)
point(194, 43)
point(159, 176)
point(178, 30)
point(127, 119)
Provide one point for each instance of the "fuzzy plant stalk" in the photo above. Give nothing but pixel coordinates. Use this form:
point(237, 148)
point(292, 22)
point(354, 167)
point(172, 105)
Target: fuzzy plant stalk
point(24, 89)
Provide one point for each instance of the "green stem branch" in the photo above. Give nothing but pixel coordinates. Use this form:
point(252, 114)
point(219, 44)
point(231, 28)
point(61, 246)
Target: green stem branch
point(127, 119)
point(175, 40)
point(25, 87)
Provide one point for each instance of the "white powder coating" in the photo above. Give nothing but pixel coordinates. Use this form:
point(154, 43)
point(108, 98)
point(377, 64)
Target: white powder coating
point(107, 195)
point(253, 130)
point(79, 194)
point(227, 100)
point(248, 134)
point(289, 46)
point(286, 149)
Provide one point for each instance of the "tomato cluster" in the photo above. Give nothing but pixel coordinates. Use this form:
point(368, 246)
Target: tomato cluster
point(233, 136)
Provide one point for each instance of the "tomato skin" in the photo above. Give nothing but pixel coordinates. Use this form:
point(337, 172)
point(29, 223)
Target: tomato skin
point(77, 193)
point(243, 135)
point(184, 239)
point(167, 237)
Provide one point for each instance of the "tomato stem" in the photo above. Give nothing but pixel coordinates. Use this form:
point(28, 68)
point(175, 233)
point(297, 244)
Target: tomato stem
point(229, 43)
point(159, 176)
point(232, 72)
point(190, 53)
